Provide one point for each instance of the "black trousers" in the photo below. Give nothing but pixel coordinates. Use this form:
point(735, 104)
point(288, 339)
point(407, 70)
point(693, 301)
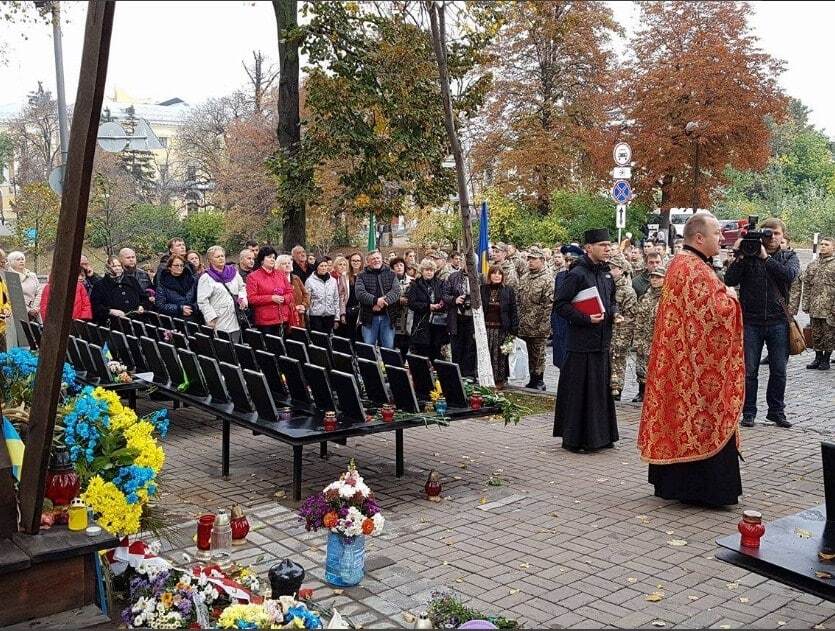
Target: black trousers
point(271, 329)
point(323, 324)
point(462, 345)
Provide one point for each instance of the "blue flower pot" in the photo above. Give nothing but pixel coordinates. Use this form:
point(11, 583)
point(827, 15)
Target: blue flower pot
point(345, 563)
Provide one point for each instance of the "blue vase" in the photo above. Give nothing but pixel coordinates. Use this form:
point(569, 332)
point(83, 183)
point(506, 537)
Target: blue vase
point(345, 563)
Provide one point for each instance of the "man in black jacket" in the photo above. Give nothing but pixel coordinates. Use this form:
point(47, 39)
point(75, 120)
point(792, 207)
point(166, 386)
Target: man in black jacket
point(376, 288)
point(764, 282)
point(585, 412)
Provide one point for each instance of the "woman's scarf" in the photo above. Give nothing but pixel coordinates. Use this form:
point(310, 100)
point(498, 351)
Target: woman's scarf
point(226, 276)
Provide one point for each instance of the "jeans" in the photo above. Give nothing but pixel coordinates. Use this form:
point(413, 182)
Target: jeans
point(379, 332)
point(776, 339)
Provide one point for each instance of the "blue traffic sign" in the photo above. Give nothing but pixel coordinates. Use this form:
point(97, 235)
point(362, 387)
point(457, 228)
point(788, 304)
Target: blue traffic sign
point(621, 191)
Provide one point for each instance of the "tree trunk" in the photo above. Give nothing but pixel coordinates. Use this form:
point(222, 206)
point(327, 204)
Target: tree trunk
point(289, 124)
point(437, 20)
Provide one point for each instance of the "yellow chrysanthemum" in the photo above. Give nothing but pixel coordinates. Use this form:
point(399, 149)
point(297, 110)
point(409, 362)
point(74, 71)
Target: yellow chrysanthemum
point(248, 613)
point(116, 515)
point(139, 437)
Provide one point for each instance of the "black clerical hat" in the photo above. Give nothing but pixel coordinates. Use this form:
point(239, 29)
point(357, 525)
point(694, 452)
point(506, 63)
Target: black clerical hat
point(596, 236)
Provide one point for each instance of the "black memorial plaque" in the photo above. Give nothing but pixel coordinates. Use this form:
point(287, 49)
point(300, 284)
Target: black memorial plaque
point(317, 379)
point(154, 361)
point(343, 363)
point(254, 339)
point(196, 383)
point(246, 357)
point(297, 351)
point(451, 384)
point(268, 364)
point(237, 388)
point(348, 393)
point(214, 380)
point(402, 390)
point(372, 379)
point(391, 357)
point(294, 378)
point(366, 351)
point(261, 396)
point(275, 345)
point(342, 345)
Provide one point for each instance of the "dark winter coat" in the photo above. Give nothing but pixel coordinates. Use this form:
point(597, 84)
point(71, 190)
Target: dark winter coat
point(583, 336)
point(372, 284)
point(763, 284)
point(420, 297)
point(124, 294)
point(509, 310)
point(452, 288)
point(175, 292)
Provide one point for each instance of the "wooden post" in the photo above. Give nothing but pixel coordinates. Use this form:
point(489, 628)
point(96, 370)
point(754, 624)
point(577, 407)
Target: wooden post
point(71, 224)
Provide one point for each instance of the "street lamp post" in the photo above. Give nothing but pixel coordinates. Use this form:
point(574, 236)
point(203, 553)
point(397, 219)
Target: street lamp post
point(54, 8)
point(692, 132)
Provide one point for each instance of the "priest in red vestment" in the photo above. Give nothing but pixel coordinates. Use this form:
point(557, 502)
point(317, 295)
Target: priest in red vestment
point(695, 378)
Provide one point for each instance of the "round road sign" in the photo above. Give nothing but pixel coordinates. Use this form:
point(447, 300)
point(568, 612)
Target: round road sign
point(622, 154)
point(621, 191)
point(112, 137)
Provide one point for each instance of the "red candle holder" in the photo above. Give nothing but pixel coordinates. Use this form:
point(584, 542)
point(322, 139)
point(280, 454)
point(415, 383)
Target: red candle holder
point(240, 525)
point(387, 412)
point(330, 421)
point(205, 524)
point(751, 528)
point(62, 483)
point(476, 401)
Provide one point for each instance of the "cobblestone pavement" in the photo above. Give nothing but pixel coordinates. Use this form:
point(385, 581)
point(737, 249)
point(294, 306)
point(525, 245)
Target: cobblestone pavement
point(566, 540)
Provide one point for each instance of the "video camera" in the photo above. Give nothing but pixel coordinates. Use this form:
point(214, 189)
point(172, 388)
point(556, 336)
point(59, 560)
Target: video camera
point(753, 239)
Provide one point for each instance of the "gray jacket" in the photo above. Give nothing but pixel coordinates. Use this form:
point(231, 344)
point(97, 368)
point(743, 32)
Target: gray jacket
point(324, 297)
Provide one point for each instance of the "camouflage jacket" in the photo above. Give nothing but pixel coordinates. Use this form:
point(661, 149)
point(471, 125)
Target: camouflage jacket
point(521, 266)
point(535, 298)
point(626, 299)
point(511, 278)
point(645, 319)
point(818, 288)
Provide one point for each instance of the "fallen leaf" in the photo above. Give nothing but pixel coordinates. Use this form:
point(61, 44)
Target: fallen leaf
point(781, 623)
point(554, 515)
point(659, 623)
point(802, 533)
point(305, 593)
point(670, 532)
point(732, 585)
point(654, 597)
point(338, 592)
point(524, 566)
point(513, 591)
point(743, 599)
point(643, 518)
point(724, 626)
point(409, 618)
point(631, 579)
point(709, 557)
point(677, 543)
point(826, 556)
point(693, 597)
point(576, 501)
point(459, 579)
point(482, 501)
point(457, 477)
point(820, 574)
point(446, 563)
point(602, 479)
point(279, 494)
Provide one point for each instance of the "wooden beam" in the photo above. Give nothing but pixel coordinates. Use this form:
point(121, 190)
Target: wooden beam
point(71, 224)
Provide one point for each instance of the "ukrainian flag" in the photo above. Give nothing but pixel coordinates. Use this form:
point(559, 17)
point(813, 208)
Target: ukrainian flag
point(15, 447)
point(483, 242)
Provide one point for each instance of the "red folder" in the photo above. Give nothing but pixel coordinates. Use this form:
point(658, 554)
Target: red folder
point(588, 301)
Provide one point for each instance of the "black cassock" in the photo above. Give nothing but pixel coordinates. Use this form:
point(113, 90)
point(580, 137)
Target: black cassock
point(585, 415)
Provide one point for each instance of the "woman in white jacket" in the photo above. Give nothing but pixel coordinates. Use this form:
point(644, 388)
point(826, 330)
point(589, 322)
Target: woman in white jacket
point(29, 283)
point(324, 297)
point(218, 289)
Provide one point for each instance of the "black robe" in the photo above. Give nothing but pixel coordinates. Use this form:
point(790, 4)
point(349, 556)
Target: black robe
point(585, 415)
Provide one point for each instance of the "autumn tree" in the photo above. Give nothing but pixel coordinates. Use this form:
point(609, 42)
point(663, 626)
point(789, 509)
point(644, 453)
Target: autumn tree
point(36, 224)
point(544, 123)
point(697, 62)
point(35, 136)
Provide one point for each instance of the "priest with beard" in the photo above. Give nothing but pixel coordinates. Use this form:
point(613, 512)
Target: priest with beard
point(585, 411)
point(695, 378)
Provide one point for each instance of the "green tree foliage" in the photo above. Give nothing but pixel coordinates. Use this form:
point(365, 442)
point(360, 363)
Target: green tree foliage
point(139, 163)
point(37, 219)
point(203, 230)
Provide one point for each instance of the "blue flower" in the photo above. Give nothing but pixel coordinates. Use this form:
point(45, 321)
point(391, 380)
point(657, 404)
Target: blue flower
point(160, 421)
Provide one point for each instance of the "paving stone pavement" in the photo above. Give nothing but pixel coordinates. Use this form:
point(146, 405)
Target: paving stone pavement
point(567, 540)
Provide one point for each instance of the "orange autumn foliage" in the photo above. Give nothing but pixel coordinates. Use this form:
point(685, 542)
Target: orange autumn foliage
point(697, 61)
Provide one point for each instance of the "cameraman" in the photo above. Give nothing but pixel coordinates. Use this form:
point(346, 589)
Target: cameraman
point(764, 282)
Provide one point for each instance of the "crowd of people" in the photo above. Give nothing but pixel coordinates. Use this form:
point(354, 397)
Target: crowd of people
point(697, 324)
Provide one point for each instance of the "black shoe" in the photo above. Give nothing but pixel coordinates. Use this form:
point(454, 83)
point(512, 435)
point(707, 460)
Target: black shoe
point(747, 421)
point(816, 362)
point(532, 383)
point(640, 396)
point(824, 365)
point(764, 361)
point(540, 384)
point(778, 419)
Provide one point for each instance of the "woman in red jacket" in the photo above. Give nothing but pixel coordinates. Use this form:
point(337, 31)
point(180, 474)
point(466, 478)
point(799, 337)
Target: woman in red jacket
point(270, 294)
point(82, 309)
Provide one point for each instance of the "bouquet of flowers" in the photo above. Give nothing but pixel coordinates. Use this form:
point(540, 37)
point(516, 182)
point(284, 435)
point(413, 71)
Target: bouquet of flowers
point(507, 346)
point(17, 379)
point(284, 613)
point(119, 371)
point(115, 454)
point(346, 507)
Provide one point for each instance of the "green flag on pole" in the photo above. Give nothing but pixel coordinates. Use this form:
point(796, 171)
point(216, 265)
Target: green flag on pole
point(372, 231)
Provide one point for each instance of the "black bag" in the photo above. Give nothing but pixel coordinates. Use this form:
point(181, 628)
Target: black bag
point(240, 314)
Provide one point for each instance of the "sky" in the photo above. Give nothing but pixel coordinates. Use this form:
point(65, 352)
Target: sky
point(194, 51)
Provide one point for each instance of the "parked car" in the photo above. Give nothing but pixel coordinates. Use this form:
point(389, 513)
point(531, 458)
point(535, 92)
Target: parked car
point(731, 231)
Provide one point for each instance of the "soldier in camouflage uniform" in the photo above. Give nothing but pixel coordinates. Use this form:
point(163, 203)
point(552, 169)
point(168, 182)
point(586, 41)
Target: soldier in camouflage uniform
point(518, 261)
point(645, 327)
point(535, 299)
point(818, 290)
point(624, 326)
point(511, 279)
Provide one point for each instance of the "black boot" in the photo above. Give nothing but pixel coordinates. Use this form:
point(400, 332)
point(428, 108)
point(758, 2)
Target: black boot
point(824, 364)
point(540, 383)
point(815, 362)
point(532, 382)
point(640, 396)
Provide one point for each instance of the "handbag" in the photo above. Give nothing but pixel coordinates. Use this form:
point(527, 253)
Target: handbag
point(240, 314)
point(807, 336)
point(797, 341)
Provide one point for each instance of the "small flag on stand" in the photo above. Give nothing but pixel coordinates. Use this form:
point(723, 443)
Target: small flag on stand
point(15, 447)
point(483, 242)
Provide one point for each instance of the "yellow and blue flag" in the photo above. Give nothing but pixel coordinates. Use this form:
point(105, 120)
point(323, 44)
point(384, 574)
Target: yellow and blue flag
point(15, 447)
point(483, 242)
